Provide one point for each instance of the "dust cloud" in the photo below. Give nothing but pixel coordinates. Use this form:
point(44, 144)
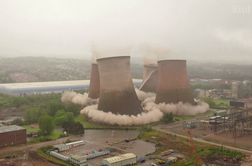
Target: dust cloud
point(152, 112)
point(144, 95)
point(77, 98)
point(122, 120)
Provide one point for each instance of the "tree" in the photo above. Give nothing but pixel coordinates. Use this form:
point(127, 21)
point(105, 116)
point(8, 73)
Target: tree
point(46, 124)
point(18, 122)
point(168, 118)
point(32, 115)
point(74, 108)
point(59, 113)
point(210, 102)
point(70, 116)
point(54, 107)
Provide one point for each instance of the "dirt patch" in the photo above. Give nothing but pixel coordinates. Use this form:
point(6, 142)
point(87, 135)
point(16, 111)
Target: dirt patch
point(31, 159)
point(34, 126)
point(220, 159)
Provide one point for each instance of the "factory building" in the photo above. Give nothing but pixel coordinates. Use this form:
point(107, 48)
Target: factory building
point(241, 89)
point(150, 79)
point(34, 88)
point(78, 160)
point(173, 82)
point(117, 93)
point(125, 159)
point(94, 86)
point(11, 135)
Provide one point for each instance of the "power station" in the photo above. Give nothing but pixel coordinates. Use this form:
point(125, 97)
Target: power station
point(150, 79)
point(94, 86)
point(117, 93)
point(173, 82)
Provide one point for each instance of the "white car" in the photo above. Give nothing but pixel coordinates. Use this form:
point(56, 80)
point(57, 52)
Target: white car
point(153, 164)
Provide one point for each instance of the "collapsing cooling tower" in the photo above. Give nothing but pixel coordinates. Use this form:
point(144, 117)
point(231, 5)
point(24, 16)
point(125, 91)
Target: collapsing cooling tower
point(117, 93)
point(173, 83)
point(94, 85)
point(150, 79)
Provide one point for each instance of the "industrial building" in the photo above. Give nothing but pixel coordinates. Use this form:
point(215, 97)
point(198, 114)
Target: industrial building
point(33, 88)
point(78, 160)
point(11, 135)
point(117, 93)
point(241, 89)
point(173, 82)
point(150, 79)
point(94, 86)
point(125, 159)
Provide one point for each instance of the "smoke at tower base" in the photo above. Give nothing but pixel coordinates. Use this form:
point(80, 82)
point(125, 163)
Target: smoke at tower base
point(77, 98)
point(153, 112)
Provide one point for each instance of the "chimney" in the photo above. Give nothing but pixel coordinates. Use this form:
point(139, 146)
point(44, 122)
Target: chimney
point(173, 82)
point(117, 93)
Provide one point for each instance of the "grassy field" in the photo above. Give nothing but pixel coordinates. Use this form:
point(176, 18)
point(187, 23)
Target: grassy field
point(54, 135)
point(218, 102)
point(193, 116)
point(29, 129)
point(89, 125)
point(84, 121)
point(52, 159)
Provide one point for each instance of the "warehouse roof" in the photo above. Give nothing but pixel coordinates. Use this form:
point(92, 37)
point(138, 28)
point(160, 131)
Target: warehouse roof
point(11, 128)
point(44, 84)
point(49, 84)
point(120, 158)
point(80, 158)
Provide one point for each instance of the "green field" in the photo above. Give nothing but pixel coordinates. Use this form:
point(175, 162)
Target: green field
point(192, 116)
point(29, 129)
point(53, 135)
point(218, 102)
point(84, 121)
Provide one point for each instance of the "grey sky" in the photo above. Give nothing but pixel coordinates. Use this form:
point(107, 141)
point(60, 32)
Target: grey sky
point(192, 29)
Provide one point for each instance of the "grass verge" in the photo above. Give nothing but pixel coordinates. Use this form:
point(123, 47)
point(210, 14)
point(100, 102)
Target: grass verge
point(29, 129)
point(88, 125)
point(50, 158)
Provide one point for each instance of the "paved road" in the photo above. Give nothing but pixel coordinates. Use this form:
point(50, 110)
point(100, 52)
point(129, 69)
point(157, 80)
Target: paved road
point(211, 143)
point(19, 148)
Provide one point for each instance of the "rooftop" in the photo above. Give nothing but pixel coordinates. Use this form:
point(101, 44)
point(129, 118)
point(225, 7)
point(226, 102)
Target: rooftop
point(120, 158)
point(10, 128)
point(77, 157)
point(49, 84)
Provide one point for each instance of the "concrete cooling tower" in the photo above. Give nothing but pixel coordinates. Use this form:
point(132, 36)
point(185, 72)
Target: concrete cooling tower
point(150, 79)
point(117, 93)
point(173, 83)
point(94, 85)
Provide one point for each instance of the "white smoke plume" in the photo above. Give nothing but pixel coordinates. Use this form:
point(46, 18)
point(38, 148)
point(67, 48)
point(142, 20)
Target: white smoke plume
point(110, 51)
point(150, 57)
point(77, 98)
point(93, 59)
point(153, 112)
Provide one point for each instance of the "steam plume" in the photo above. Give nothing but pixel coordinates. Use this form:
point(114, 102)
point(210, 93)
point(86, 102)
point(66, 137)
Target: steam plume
point(150, 58)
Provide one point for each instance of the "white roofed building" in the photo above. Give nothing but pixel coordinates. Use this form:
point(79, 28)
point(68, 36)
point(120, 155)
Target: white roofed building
point(125, 159)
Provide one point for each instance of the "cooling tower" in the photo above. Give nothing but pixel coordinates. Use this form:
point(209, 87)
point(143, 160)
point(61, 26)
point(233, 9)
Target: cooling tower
point(117, 93)
point(173, 83)
point(94, 85)
point(150, 79)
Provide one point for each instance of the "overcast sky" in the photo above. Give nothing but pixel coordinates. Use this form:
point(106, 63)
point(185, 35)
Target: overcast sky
point(192, 29)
